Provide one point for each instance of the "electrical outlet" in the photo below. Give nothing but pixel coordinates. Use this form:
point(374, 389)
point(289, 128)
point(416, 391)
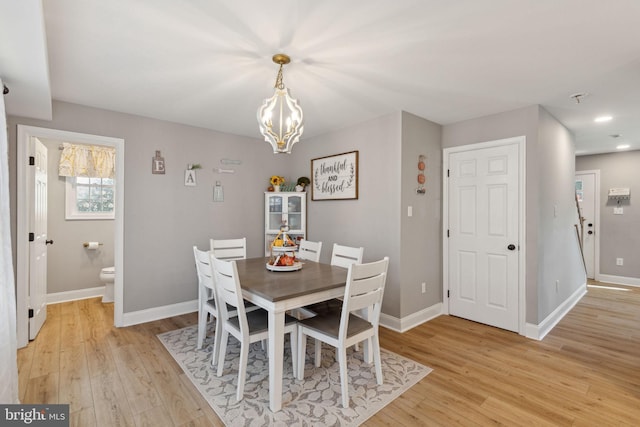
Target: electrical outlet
point(619, 261)
point(424, 287)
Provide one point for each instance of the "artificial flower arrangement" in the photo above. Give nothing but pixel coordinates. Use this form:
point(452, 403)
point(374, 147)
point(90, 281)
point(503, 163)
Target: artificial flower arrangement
point(276, 180)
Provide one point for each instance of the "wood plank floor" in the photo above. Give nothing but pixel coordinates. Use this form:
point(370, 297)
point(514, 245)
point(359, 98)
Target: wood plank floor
point(586, 372)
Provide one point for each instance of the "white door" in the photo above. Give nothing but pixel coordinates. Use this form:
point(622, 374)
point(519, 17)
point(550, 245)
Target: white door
point(483, 226)
point(38, 247)
point(586, 193)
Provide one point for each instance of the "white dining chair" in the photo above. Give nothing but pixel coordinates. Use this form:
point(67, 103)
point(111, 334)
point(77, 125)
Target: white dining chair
point(229, 249)
point(206, 300)
point(341, 256)
point(309, 250)
point(364, 292)
point(344, 256)
point(248, 326)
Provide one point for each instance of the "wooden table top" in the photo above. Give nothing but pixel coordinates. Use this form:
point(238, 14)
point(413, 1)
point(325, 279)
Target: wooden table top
point(280, 285)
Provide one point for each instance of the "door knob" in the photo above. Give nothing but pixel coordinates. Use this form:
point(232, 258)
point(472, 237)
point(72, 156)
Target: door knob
point(49, 242)
point(511, 247)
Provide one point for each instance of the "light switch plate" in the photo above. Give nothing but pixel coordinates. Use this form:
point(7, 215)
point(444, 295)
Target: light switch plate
point(618, 210)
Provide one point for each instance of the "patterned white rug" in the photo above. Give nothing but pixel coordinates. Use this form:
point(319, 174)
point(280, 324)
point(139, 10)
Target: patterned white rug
point(316, 401)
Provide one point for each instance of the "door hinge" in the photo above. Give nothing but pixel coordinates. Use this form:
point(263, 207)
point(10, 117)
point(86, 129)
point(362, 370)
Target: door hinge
point(32, 161)
point(448, 173)
point(448, 293)
point(447, 233)
point(31, 313)
point(32, 237)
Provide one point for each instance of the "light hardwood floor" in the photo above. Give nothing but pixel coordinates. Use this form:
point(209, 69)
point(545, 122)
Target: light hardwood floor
point(586, 372)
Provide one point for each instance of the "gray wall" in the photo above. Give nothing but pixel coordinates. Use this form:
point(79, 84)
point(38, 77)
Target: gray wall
point(559, 255)
point(373, 220)
point(619, 234)
point(163, 219)
point(70, 266)
point(421, 234)
point(549, 183)
point(388, 148)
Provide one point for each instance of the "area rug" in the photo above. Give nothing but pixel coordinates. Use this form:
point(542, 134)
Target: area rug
point(315, 401)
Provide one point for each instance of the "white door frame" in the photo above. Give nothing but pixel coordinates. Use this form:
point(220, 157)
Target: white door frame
point(521, 141)
point(25, 133)
point(596, 220)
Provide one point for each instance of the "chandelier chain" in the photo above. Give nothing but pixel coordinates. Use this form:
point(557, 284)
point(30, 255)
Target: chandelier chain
point(279, 83)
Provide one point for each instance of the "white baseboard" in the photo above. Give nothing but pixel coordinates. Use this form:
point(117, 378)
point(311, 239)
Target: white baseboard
point(157, 313)
point(618, 280)
point(538, 332)
point(411, 321)
point(65, 296)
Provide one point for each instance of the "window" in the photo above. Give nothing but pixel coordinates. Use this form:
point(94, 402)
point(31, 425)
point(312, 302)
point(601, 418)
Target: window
point(90, 198)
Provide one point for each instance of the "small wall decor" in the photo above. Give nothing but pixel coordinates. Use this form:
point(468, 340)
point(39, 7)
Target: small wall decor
point(220, 170)
point(230, 162)
point(190, 175)
point(218, 192)
point(421, 177)
point(335, 177)
point(157, 164)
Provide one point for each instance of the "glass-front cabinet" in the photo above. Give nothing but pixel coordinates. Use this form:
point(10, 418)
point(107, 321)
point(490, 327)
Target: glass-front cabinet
point(284, 209)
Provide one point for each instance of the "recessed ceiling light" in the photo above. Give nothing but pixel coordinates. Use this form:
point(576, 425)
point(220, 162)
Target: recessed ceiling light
point(602, 119)
point(623, 146)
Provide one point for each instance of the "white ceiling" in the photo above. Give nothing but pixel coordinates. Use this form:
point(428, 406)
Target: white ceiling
point(208, 63)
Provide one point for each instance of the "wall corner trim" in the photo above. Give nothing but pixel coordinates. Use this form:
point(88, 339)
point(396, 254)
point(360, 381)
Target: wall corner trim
point(412, 320)
point(538, 332)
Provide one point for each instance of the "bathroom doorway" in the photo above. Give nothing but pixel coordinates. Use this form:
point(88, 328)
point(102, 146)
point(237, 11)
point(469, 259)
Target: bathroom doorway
point(27, 134)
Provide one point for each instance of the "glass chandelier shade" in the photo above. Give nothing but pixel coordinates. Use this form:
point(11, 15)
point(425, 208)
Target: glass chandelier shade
point(280, 117)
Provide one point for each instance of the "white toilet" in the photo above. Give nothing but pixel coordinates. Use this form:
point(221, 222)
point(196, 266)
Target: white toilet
point(108, 276)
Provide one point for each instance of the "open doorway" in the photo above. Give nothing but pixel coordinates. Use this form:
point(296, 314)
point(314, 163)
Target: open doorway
point(27, 135)
point(588, 198)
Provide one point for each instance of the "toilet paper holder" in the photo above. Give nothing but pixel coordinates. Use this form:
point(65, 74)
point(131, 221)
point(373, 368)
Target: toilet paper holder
point(87, 244)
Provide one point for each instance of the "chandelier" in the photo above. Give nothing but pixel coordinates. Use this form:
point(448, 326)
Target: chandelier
point(280, 117)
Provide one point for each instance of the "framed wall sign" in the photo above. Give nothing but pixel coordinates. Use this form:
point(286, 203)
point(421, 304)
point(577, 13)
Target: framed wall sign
point(335, 177)
point(157, 164)
point(190, 178)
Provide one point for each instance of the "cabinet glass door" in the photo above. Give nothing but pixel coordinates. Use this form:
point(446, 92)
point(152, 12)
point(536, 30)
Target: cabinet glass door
point(294, 208)
point(275, 212)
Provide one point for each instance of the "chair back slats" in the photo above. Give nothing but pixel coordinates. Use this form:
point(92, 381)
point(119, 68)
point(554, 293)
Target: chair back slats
point(344, 256)
point(203, 268)
point(228, 289)
point(364, 290)
point(309, 250)
point(229, 249)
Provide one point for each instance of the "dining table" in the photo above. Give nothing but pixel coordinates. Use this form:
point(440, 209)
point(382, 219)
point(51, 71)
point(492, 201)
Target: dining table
point(280, 291)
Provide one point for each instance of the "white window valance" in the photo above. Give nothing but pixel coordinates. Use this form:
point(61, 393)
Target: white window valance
point(87, 160)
